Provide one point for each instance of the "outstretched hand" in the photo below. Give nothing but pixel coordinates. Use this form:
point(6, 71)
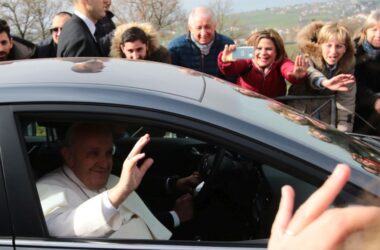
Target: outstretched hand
point(227, 53)
point(131, 174)
point(340, 82)
point(314, 226)
point(301, 64)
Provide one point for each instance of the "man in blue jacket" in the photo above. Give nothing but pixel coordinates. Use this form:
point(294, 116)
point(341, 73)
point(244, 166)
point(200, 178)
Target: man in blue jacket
point(199, 48)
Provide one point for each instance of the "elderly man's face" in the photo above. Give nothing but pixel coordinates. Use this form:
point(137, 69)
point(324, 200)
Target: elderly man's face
point(202, 28)
point(57, 25)
point(6, 45)
point(90, 158)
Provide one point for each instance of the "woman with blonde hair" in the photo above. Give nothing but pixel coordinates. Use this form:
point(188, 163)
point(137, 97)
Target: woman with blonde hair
point(367, 73)
point(267, 71)
point(332, 61)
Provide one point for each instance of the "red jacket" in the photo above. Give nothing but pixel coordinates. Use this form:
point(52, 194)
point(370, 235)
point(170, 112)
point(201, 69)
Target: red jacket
point(249, 77)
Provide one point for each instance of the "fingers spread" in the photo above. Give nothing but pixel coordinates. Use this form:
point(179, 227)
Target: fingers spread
point(285, 211)
point(321, 199)
point(140, 144)
point(340, 223)
point(146, 165)
point(132, 161)
point(344, 78)
point(297, 62)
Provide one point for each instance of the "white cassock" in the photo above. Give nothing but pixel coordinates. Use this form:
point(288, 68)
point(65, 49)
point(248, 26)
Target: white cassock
point(72, 210)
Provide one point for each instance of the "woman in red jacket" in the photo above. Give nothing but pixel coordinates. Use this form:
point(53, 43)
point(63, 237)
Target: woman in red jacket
point(267, 71)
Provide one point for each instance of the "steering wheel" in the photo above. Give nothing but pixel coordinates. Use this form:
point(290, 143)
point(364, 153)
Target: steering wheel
point(211, 162)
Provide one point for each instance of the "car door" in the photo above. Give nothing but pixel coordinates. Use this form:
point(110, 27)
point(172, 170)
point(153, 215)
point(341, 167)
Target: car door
point(6, 239)
point(30, 231)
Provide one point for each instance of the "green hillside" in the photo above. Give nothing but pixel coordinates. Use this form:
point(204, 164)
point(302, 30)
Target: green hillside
point(288, 20)
point(298, 15)
point(265, 19)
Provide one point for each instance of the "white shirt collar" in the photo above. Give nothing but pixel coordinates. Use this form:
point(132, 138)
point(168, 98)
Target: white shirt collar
point(72, 176)
point(90, 24)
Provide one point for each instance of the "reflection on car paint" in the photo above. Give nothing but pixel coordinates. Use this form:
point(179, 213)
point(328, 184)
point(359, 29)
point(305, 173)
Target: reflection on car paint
point(367, 156)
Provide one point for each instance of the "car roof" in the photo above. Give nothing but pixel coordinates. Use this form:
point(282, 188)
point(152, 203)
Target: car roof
point(146, 75)
point(181, 91)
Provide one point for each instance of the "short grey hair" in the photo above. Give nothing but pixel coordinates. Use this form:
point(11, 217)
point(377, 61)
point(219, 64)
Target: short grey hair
point(79, 130)
point(202, 11)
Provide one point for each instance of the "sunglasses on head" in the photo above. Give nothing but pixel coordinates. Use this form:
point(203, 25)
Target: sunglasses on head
point(56, 29)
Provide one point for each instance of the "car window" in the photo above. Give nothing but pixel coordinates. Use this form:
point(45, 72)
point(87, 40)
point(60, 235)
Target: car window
point(136, 131)
point(236, 187)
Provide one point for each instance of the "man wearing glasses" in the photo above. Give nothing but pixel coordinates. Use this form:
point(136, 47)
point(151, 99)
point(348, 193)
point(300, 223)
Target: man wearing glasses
point(48, 47)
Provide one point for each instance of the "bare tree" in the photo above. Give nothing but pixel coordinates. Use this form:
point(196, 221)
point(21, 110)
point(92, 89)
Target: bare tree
point(30, 19)
point(227, 25)
point(44, 12)
point(221, 9)
point(18, 14)
point(161, 13)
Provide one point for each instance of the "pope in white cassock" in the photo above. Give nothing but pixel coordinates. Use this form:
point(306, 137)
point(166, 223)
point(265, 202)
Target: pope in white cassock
point(83, 199)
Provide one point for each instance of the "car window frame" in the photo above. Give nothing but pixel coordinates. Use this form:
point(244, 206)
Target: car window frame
point(97, 111)
point(6, 234)
point(17, 179)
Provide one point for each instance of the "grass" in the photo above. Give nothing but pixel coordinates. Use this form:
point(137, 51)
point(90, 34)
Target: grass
point(292, 50)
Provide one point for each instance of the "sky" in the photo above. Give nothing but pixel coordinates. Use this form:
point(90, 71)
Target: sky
point(246, 5)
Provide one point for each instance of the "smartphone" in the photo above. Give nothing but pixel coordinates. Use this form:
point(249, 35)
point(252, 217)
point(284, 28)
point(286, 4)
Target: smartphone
point(244, 52)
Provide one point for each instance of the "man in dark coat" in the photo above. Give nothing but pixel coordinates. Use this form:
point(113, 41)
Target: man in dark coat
point(77, 38)
point(105, 28)
point(13, 48)
point(48, 47)
point(105, 25)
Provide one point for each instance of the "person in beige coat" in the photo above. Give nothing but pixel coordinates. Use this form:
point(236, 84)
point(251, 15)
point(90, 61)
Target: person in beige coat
point(83, 199)
point(331, 54)
point(138, 41)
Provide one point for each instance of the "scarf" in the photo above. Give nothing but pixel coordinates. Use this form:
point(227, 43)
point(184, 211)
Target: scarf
point(204, 48)
point(370, 51)
point(330, 70)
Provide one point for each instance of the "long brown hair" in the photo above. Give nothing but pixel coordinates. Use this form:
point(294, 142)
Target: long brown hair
point(274, 36)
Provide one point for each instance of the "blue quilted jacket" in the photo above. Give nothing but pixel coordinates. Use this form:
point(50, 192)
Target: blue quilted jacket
point(185, 53)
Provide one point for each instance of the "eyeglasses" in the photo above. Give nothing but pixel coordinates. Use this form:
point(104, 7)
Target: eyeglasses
point(56, 29)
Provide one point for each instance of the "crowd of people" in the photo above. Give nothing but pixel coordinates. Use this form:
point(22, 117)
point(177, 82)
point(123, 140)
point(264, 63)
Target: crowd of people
point(333, 63)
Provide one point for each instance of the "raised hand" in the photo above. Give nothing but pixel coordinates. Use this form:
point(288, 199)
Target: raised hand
point(339, 83)
point(314, 226)
point(301, 64)
point(227, 53)
point(131, 174)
